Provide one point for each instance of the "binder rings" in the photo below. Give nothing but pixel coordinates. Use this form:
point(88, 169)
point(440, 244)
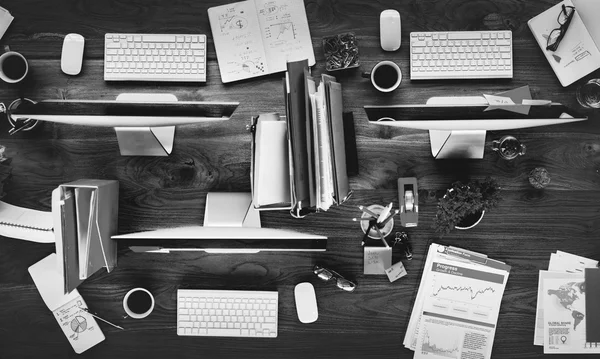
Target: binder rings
point(314, 147)
point(85, 214)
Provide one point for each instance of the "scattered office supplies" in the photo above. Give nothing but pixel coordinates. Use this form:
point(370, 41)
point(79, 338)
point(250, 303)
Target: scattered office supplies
point(85, 215)
point(97, 317)
point(457, 304)
point(71, 58)
point(306, 302)
point(508, 147)
point(579, 50)
point(402, 238)
point(396, 271)
point(258, 313)
point(155, 57)
point(138, 303)
point(377, 259)
point(328, 275)
point(562, 266)
point(270, 163)
point(464, 135)
point(231, 225)
point(461, 55)
point(385, 76)
point(317, 146)
point(588, 94)
point(79, 326)
point(257, 37)
point(341, 52)
point(408, 194)
point(27, 224)
point(13, 66)
point(5, 20)
point(390, 30)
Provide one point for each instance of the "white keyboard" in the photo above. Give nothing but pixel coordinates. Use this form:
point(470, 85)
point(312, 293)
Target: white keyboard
point(154, 57)
point(461, 55)
point(227, 313)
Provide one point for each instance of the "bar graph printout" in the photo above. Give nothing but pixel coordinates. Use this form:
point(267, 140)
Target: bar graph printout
point(457, 306)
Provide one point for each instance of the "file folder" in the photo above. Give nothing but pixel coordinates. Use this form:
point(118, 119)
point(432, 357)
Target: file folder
point(85, 215)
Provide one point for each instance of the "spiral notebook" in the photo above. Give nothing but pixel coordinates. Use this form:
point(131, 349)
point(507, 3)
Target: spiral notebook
point(26, 224)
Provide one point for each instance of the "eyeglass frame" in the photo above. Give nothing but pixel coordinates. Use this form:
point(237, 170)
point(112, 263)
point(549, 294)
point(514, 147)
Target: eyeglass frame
point(563, 28)
point(317, 269)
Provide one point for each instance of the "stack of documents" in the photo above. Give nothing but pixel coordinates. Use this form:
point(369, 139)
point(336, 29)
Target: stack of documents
point(316, 140)
point(457, 305)
point(567, 316)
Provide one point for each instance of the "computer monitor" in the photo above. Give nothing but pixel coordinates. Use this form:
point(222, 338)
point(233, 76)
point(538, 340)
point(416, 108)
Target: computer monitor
point(458, 131)
point(144, 123)
point(231, 225)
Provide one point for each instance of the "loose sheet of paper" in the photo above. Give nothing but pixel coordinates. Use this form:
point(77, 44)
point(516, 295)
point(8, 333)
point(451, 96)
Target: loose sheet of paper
point(377, 259)
point(395, 272)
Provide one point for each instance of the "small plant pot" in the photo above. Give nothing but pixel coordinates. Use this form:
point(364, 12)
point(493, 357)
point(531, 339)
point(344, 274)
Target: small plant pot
point(470, 221)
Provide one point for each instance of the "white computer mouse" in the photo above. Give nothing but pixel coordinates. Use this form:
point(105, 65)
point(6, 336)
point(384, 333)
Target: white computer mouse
point(390, 32)
point(72, 54)
point(306, 302)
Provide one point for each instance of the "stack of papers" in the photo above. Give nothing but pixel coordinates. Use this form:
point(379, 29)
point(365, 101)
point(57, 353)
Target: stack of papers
point(457, 305)
point(562, 320)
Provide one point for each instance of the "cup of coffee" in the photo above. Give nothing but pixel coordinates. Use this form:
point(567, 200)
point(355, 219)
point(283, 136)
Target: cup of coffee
point(138, 303)
point(385, 76)
point(13, 66)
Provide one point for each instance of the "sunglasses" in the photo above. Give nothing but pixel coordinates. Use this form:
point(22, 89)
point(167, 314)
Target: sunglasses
point(327, 275)
point(556, 35)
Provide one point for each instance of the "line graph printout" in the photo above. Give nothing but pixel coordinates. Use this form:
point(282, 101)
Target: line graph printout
point(457, 305)
point(258, 37)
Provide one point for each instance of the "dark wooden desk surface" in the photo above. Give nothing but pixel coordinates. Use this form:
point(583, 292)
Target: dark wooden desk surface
point(165, 191)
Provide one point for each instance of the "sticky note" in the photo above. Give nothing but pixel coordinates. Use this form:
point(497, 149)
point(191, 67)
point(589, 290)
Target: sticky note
point(396, 271)
point(377, 259)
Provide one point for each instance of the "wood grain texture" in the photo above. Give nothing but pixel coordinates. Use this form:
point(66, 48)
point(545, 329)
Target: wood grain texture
point(170, 191)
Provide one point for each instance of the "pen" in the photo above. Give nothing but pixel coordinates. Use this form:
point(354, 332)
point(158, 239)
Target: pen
point(367, 211)
point(385, 221)
point(386, 211)
point(382, 237)
point(97, 317)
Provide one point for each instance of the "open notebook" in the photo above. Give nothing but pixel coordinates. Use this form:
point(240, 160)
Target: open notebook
point(579, 51)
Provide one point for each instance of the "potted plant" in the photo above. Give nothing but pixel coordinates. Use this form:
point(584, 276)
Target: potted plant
point(464, 205)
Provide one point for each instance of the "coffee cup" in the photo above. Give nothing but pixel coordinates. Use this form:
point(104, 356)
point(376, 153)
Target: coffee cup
point(385, 76)
point(138, 303)
point(13, 66)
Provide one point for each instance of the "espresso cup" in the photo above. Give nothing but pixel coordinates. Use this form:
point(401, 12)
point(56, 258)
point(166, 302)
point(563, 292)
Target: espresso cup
point(13, 66)
point(385, 76)
point(138, 303)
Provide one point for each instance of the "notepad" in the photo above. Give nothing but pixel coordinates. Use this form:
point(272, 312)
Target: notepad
point(258, 37)
point(377, 259)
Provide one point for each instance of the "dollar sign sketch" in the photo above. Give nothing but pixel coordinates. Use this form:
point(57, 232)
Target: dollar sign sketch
point(239, 24)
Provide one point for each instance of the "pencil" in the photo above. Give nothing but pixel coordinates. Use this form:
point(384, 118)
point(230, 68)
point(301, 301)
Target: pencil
point(367, 211)
point(382, 237)
point(385, 221)
point(97, 317)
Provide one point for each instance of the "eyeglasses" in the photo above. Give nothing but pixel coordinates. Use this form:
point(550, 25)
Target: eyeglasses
point(556, 35)
point(327, 275)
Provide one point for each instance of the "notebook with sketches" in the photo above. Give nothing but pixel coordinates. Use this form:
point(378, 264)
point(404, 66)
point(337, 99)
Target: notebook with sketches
point(79, 327)
point(257, 37)
point(26, 224)
point(578, 53)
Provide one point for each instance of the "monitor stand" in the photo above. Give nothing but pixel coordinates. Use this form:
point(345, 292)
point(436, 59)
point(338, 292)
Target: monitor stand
point(457, 143)
point(146, 141)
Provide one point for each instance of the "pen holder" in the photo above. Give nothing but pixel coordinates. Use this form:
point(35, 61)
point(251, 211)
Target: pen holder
point(373, 234)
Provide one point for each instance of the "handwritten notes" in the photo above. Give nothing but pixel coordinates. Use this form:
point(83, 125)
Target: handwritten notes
point(258, 37)
point(377, 259)
point(395, 272)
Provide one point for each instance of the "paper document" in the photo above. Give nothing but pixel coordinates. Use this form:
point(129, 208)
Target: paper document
point(5, 20)
point(258, 37)
point(79, 327)
point(377, 259)
point(26, 224)
point(457, 305)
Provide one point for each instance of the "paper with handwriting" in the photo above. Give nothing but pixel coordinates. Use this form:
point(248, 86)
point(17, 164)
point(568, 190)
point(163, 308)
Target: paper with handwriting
point(257, 37)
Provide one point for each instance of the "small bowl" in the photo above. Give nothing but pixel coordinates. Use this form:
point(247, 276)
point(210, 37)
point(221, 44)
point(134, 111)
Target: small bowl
point(386, 230)
point(341, 52)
